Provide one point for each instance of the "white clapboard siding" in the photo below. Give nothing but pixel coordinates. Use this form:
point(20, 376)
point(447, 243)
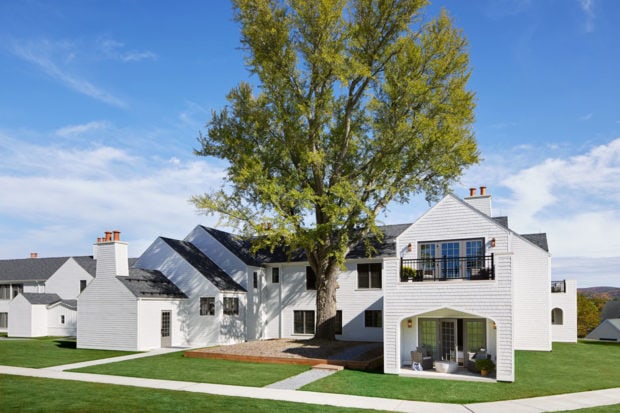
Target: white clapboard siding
point(66, 280)
point(567, 302)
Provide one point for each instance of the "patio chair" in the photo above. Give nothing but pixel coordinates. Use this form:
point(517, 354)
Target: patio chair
point(422, 357)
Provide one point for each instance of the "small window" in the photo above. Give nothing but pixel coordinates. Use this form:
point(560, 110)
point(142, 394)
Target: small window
point(303, 322)
point(17, 288)
point(255, 280)
point(82, 285)
point(557, 316)
point(339, 322)
point(275, 275)
point(207, 305)
point(373, 318)
point(4, 320)
point(231, 305)
point(369, 275)
point(5, 292)
point(310, 279)
point(62, 319)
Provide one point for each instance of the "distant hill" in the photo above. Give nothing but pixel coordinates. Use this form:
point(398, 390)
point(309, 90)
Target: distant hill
point(606, 293)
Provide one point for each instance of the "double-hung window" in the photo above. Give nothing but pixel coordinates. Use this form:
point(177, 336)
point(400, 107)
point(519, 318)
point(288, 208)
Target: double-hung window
point(303, 322)
point(207, 305)
point(369, 275)
point(231, 305)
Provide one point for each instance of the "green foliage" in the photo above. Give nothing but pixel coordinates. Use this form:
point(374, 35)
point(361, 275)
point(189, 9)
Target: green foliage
point(407, 273)
point(485, 364)
point(361, 104)
point(537, 373)
point(588, 315)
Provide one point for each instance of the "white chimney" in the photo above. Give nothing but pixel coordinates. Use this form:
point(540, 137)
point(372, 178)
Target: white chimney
point(111, 256)
point(481, 202)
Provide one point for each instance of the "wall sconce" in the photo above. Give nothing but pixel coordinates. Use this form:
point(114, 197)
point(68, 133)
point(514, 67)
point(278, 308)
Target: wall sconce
point(492, 242)
point(409, 323)
point(409, 247)
point(494, 326)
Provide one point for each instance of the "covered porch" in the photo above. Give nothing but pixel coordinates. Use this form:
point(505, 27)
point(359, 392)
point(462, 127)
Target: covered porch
point(445, 343)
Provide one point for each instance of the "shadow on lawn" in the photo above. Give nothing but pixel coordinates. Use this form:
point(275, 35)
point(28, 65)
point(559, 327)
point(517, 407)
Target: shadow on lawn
point(66, 344)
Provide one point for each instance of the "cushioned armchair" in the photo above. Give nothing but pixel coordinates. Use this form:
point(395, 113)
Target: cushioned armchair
point(472, 357)
point(423, 356)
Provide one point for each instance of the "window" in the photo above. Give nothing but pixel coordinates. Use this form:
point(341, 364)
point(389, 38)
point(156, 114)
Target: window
point(303, 322)
point(62, 319)
point(373, 318)
point(5, 292)
point(231, 305)
point(4, 320)
point(82, 285)
point(369, 275)
point(207, 305)
point(275, 275)
point(557, 317)
point(17, 288)
point(310, 279)
point(338, 321)
point(475, 333)
point(255, 280)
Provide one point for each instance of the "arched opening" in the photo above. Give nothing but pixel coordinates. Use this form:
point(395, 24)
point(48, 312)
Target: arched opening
point(557, 316)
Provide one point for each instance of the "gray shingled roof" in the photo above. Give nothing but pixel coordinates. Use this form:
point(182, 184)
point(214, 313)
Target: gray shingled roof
point(30, 269)
point(242, 247)
point(611, 310)
point(537, 239)
point(150, 283)
point(204, 265)
point(503, 221)
point(41, 298)
point(87, 263)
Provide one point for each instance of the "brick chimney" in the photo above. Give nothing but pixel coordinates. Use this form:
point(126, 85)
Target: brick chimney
point(34, 255)
point(111, 255)
point(481, 202)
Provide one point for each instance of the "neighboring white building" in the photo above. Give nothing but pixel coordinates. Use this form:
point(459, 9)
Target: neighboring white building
point(128, 309)
point(42, 314)
point(61, 276)
point(564, 311)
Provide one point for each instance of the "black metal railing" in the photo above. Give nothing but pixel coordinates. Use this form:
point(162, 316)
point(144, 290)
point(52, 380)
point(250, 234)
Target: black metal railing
point(558, 286)
point(448, 268)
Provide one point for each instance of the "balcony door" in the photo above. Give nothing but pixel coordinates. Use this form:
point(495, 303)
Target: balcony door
point(452, 259)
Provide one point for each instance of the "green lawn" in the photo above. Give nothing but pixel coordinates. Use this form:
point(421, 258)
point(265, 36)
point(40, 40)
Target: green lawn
point(30, 394)
point(173, 366)
point(47, 352)
point(568, 368)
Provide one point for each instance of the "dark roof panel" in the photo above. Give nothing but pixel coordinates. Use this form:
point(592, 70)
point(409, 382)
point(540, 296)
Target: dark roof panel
point(204, 265)
point(242, 247)
point(150, 283)
point(41, 298)
point(611, 310)
point(88, 264)
point(503, 221)
point(537, 239)
point(30, 269)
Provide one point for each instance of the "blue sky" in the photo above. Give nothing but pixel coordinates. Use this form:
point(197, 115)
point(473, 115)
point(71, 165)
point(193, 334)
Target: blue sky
point(101, 103)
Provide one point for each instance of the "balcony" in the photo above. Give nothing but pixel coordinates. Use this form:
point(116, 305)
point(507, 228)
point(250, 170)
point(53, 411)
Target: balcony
point(558, 286)
point(447, 268)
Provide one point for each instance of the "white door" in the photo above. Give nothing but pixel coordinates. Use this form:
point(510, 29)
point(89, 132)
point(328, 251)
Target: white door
point(166, 339)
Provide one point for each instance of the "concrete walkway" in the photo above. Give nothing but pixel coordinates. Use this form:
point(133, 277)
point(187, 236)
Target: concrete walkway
point(155, 352)
point(534, 405)
point(300, 380)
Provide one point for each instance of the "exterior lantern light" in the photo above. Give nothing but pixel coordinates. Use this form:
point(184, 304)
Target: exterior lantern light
point(409, 323)
point(492, 242)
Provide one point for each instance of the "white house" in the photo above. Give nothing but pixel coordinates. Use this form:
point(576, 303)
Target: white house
point(42, 314)
point(127, 309)
point(64, 277)
point(456, 284)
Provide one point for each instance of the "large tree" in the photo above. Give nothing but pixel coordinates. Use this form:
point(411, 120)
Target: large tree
point(359, 104)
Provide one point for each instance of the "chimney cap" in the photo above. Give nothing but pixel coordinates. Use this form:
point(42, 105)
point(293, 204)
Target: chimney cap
point(472, 191)
point(483, 190)
point(34, 255)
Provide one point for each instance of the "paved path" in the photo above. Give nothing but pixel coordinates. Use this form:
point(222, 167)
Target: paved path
point(534, 405)
point(300, 380)
point(108, 360)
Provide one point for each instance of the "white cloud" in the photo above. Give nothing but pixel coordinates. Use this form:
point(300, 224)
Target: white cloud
point(62, 199)
point(114, 50)
point(574, 199)
point(52, 58)
point(72, 130)
point(587, 6)
point(587, 116)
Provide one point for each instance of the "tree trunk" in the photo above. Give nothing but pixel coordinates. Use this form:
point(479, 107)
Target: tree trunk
point(326, 286)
